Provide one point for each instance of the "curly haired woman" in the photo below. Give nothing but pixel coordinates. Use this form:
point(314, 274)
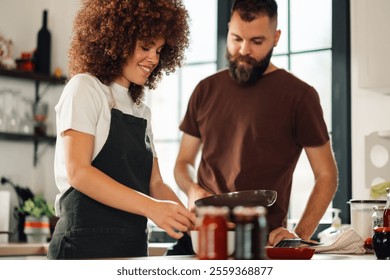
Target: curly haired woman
point(106, 167)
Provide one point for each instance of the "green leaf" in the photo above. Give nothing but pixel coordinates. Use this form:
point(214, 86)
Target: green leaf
point(37, 207)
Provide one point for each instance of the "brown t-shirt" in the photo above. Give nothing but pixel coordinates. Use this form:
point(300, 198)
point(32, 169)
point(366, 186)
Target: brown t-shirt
point(253, 136)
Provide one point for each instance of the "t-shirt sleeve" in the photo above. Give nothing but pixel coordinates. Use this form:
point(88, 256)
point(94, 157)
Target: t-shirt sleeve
point(189, 124)
point(311, 129)
point(79, 106)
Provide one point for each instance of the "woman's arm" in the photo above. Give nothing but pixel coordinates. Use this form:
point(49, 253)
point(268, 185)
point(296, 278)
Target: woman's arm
point(158, 189)
point(168, 215)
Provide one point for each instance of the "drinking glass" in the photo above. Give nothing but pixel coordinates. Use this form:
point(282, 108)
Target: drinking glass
point(40, 110)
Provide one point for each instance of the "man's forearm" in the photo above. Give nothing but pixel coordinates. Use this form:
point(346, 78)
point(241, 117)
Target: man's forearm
point(184, 175)
point(318, 202)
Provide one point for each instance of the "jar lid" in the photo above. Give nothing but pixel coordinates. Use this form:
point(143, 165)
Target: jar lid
point(382, 229)
point(212, 210)
point(249, 211)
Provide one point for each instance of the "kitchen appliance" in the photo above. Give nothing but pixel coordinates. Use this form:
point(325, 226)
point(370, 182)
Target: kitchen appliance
point(5, 204)
point(361, 216)
point(248, 198)
point(23, 194)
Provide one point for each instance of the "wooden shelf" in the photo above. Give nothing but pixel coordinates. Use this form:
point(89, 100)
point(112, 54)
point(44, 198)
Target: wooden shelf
point(33, 76)
point(27, 137)
point(36, 140)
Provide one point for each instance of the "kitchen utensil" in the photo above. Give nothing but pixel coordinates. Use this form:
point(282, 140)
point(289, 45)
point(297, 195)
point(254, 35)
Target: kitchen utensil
point(296, 242)
point(289, 243)
point(248, 198)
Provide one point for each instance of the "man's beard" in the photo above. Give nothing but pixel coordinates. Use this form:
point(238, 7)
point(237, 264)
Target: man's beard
point(251, 71)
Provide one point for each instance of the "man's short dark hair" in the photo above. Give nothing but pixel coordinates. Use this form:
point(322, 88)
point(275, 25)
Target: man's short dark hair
point(250, 9)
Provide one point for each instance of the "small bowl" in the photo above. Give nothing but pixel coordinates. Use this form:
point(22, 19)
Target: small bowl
point(230, 241)
point(381, 243)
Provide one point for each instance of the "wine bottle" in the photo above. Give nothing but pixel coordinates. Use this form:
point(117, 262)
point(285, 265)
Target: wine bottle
point(43, 53)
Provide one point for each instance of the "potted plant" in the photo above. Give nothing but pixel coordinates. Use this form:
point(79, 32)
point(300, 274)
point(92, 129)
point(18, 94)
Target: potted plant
point(37, 214)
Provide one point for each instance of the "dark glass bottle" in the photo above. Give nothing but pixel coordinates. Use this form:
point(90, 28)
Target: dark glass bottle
point(43, 53)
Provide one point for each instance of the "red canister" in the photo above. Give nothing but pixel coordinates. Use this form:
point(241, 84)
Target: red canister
point(212, 233)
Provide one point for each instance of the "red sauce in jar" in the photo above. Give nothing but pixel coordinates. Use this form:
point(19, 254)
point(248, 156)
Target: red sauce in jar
point(213, 233)
point(386, 213)
point(386, 218)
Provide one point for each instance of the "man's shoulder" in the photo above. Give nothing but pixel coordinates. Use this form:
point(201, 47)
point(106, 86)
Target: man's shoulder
point(290, 78)
point(221, 74)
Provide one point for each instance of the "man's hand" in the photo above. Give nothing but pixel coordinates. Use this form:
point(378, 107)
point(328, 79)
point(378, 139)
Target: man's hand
point(279, 234)
point(196, 192)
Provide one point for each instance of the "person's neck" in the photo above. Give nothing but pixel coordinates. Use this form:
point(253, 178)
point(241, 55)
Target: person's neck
point(123, 81)
point(271, 68)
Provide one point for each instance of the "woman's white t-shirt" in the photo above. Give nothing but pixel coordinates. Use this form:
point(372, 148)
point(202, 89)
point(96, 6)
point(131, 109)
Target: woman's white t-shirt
point(85, 105)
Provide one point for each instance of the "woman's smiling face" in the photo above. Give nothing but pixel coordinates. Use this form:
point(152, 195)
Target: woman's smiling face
point(141, 63)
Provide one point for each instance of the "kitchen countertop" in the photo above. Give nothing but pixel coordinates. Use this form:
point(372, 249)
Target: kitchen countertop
point(12, 250)
point(315, 257)
point(23, 249)
point(156, 250)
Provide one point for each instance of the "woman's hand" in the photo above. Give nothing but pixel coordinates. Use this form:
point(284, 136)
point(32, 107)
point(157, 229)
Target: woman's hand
point(171, 217)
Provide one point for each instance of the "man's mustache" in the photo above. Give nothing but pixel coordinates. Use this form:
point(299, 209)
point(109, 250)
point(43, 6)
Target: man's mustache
point(245, 58)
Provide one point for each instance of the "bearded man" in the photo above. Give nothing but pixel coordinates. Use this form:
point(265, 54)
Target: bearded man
point(251, 122)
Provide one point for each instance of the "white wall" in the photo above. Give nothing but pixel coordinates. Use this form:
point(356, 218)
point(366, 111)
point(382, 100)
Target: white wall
point(20, 21)
point(370, 108)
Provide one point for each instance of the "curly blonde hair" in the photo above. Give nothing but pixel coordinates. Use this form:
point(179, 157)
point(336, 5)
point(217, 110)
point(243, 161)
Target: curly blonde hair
point(105, 33)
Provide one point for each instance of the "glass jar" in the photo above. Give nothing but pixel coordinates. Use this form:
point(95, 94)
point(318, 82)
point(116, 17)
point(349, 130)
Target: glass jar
point(377, 216)
point(381, 243)
point(251, 233)
point(212, 238)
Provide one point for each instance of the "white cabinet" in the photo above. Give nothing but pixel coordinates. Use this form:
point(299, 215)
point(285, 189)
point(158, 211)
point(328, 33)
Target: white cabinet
point(372, 34)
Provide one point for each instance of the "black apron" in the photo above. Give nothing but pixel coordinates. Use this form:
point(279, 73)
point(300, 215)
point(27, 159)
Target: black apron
point(88, 229)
